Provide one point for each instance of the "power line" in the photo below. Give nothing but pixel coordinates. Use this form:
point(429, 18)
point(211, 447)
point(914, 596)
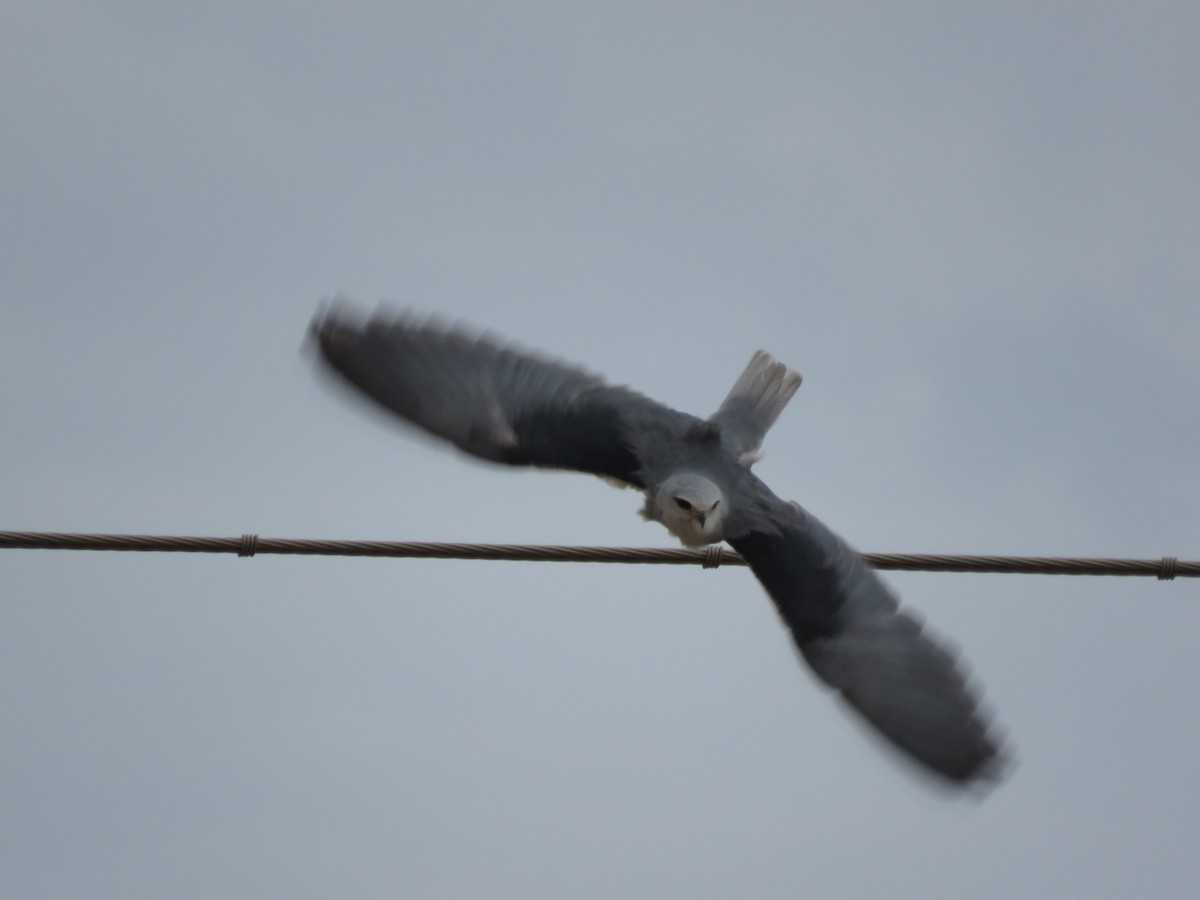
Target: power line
point(1165, 569)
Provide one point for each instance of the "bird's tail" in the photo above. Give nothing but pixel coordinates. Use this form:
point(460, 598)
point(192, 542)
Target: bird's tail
point(756, 400)
point(767, 384)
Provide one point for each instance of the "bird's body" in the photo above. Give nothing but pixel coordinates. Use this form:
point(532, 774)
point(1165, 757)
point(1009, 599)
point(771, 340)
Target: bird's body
point(516, 408)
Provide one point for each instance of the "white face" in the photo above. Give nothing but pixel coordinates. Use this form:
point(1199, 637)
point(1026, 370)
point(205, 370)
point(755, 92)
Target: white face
point(692, 508)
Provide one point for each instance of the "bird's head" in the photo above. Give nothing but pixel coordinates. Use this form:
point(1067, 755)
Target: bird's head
point(692, 508)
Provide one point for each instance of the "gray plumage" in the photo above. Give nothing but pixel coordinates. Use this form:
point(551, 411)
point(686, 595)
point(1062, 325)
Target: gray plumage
point(517, 408)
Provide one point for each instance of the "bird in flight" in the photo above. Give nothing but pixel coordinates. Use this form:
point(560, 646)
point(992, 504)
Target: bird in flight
point(513, 407)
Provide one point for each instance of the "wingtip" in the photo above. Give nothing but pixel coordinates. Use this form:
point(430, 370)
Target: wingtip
point(337, 315)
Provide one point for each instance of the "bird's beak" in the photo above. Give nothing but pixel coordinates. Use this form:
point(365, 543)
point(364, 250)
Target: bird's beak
point(701, 517)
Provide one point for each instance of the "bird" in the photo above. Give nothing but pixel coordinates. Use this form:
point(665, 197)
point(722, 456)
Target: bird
point(506, 405)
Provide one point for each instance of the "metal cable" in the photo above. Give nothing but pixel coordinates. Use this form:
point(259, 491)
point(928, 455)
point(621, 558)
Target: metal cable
point(1165, 569)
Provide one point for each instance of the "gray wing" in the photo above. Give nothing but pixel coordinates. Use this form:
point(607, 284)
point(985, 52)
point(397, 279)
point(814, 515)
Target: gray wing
point(491, 401)
point(754, 403)
point(850, 630)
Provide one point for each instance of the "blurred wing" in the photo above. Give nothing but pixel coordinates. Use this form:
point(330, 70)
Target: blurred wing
point(849, 629)
point(754, 403)
point(491, 401)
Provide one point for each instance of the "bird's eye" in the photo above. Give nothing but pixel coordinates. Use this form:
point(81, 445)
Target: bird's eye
point(716, 503)
point(682, 504)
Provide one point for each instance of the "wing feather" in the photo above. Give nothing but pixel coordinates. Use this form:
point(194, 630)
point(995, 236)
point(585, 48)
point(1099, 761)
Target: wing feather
point(849, 628)
point(491, 401)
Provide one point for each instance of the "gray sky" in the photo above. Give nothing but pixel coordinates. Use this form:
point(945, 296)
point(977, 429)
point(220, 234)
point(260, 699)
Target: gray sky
point(972, 227)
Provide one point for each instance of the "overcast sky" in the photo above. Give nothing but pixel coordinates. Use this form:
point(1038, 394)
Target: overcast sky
point(975, 228)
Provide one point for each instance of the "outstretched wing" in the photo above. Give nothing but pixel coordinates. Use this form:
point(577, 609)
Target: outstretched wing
point(850, 630)
point(491, 401)
point(754, 403)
